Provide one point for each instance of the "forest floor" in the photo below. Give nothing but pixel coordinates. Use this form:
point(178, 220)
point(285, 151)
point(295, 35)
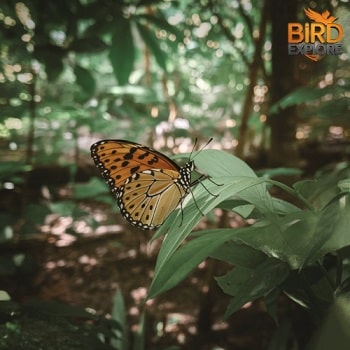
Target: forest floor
point(88, 271)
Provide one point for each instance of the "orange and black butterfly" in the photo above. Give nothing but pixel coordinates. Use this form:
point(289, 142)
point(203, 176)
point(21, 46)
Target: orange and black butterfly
point(148, 185)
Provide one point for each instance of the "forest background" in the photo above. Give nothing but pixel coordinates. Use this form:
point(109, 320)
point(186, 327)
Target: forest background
point(167, 73)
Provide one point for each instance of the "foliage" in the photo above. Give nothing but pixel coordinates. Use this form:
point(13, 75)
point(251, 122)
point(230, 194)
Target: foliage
point(70, 58)
point(71, 71)
point(328, 104)
point(286, 249)
point(53, 325)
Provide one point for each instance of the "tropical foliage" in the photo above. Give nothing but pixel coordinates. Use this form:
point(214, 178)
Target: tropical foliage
point(165, 73)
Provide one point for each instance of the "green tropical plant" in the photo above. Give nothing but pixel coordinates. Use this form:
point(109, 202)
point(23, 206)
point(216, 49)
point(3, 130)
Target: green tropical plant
point(286, 248)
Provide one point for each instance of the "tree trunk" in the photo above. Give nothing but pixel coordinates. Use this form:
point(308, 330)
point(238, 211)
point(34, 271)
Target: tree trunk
point(253, 77)
point(283, 150)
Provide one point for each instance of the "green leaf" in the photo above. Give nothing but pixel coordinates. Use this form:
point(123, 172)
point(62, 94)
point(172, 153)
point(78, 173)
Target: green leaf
point(119, 315)
point(85, 79)
point(180, 224)
point(271, 303)
point(122, 51)
point(236, 253)
point(344, 185)
point(185, 259)
point(153, 44)
point(282, 207)
point(289, 238)
point(318, 192)
point(218, 163)
point(333, 228)
point(4, 296)
point(139, 340)
point(249, 284)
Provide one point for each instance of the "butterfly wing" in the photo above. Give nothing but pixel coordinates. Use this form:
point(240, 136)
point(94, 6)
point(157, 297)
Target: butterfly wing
point(117, 160)
point(148, 197)
point(147, 184)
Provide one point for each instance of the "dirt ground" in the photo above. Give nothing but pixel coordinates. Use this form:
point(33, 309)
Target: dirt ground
point(87, 271)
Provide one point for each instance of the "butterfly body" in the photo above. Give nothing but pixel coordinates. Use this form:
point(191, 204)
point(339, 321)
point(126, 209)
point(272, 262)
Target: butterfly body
point(148, 185)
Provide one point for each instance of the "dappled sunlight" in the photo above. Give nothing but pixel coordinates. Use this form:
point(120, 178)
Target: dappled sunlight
point(211, 82)
point(139, 294)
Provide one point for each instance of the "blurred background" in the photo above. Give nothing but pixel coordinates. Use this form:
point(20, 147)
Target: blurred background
point(162, 73)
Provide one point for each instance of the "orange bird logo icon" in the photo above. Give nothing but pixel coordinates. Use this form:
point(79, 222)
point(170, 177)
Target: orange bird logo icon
point(323, 17)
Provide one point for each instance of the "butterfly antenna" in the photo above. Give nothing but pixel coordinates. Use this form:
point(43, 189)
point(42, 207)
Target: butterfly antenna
point(193, 148)
point(201, 149)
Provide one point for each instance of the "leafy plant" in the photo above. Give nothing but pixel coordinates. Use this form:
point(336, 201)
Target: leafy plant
point(288, 248)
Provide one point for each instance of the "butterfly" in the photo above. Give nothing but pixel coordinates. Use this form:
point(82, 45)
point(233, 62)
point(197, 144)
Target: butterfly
point(147, 184)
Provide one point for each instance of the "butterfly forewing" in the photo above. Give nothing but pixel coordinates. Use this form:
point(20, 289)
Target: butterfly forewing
point(119, 159)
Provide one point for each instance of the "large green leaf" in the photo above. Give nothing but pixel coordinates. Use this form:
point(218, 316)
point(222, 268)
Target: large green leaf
point(302, 237)
point(319, 192)
point(122, 51)
point(289, 238)
point(236, 253)
point(218, 163)
point(247, 284)
point(186, 258)
point(207, 196)
point(333, 228)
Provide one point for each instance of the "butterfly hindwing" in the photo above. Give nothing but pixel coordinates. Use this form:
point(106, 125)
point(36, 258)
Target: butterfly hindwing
point(147, 198)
